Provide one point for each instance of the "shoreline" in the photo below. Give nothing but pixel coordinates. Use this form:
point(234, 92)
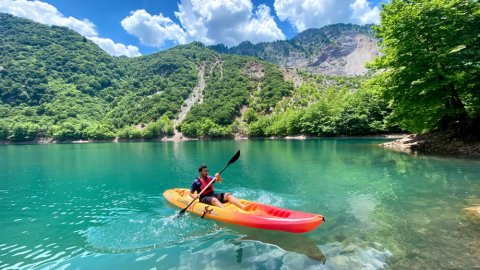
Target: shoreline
point(436, 143)
point(433, 144)
point(182, 138)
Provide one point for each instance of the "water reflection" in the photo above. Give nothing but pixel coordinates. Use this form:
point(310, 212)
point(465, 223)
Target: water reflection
point(297, 243)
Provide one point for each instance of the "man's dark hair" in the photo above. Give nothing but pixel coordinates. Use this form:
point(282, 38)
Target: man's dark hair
point(201, 167)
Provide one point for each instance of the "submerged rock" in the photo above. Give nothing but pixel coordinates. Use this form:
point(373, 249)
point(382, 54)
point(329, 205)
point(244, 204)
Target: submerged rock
point(473, 211)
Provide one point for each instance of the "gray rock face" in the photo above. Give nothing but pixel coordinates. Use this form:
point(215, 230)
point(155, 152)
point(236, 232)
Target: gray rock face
point(348, 59)
point(339, 49)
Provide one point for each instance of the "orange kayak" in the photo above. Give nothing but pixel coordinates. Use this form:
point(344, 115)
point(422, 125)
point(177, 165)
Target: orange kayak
point(255, 215)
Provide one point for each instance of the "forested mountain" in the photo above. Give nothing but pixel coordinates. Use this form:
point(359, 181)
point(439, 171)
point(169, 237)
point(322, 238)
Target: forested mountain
point(338, 49)
point(56, 84)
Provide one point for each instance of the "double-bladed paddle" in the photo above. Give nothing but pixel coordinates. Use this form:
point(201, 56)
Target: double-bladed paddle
point(232, 160)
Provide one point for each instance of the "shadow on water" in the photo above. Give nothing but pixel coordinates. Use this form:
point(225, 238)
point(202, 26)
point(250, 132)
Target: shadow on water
point(289, 242)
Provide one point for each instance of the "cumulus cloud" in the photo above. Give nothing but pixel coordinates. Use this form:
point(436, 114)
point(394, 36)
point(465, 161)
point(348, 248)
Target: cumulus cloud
point(153, 30)
point(208, 21)
point(262, 27)
point(45, 13)
point(304, 14)
point(115, 49)
point(363, 13)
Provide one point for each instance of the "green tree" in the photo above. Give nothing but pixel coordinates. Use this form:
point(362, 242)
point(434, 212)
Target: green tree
point(429, 67)
point(163, 126)
point(98, 131)
point(65, 131)
point(3, 130)
point(129, 133)
point(23, 131)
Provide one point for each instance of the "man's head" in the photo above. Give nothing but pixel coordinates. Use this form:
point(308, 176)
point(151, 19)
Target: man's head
point(203, 170)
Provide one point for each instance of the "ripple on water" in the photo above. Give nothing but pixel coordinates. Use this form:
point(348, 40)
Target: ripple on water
point(30, 258)
point(142, 231)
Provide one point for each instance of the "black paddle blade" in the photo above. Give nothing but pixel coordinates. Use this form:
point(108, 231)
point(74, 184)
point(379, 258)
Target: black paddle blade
point(180, 214)
point(234, 158)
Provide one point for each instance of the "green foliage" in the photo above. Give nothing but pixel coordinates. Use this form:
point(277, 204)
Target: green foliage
point(430, 63)
point(129, 133)
point(274, 88)
point(326, 106)
point(250, 116)
point(98, 131)
point(4, 128)
point(226, 90)
point(66, 131)
point(206, 128)
point(158, 84)
point(234, 84)
point(23, 131)
point(258, 128)
point(68, 102)
point(161, 127)
point(73, 129)
point(32, 54)
point(286, 123)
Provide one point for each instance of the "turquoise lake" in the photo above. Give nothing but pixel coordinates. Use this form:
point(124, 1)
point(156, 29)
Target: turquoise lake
point(100, 206)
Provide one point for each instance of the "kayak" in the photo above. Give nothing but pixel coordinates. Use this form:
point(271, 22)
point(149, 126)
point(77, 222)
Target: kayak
point(254, 215)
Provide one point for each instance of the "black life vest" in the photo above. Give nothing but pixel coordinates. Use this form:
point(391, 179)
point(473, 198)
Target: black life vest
point(203, 184)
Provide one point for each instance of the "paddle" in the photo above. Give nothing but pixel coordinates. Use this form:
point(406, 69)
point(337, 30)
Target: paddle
point(232, 160)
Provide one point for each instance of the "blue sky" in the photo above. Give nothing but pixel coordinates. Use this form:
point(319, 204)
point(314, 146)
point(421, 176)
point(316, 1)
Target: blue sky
point(136, 27)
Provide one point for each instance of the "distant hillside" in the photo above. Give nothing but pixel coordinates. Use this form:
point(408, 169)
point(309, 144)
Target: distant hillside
point(339, 49)
point(56, 83)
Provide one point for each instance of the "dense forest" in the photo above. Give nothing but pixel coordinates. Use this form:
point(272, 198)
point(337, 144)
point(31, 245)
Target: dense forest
point(57, 85)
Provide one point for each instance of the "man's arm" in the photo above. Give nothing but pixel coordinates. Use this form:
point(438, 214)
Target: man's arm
point(195, 189)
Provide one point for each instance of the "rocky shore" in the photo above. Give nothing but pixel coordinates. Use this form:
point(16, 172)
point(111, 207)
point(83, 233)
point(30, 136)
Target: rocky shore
point(437, 143)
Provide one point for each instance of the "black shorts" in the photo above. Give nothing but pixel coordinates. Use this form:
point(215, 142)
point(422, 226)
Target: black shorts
point(219, 196)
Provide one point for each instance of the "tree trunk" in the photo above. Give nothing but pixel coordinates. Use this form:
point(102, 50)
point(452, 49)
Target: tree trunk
point(457, 116)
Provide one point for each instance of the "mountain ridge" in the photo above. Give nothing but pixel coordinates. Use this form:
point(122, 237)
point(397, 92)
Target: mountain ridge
point(337, 49)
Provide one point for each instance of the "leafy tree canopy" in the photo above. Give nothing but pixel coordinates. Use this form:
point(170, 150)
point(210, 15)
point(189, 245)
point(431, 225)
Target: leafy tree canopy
point(430, 69)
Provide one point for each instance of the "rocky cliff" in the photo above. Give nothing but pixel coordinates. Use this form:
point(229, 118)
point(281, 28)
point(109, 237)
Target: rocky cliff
point(339, 49)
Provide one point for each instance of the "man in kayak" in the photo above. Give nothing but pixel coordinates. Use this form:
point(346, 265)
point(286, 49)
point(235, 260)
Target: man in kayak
point(209, 196)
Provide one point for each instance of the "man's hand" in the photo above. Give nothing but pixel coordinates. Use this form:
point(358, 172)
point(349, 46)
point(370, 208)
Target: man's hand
point(194, 196)
point(218, 178)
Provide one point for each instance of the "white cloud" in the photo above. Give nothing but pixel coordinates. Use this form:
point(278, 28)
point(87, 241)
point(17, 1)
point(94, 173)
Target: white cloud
point(208, 21)
point(153, 30)
point(115, 49)
point(363, 13)
point(45, 13)
point(304, 14)
point(262, 27)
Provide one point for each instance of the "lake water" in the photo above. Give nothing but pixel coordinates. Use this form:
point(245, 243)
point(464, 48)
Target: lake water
point(100, 206)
